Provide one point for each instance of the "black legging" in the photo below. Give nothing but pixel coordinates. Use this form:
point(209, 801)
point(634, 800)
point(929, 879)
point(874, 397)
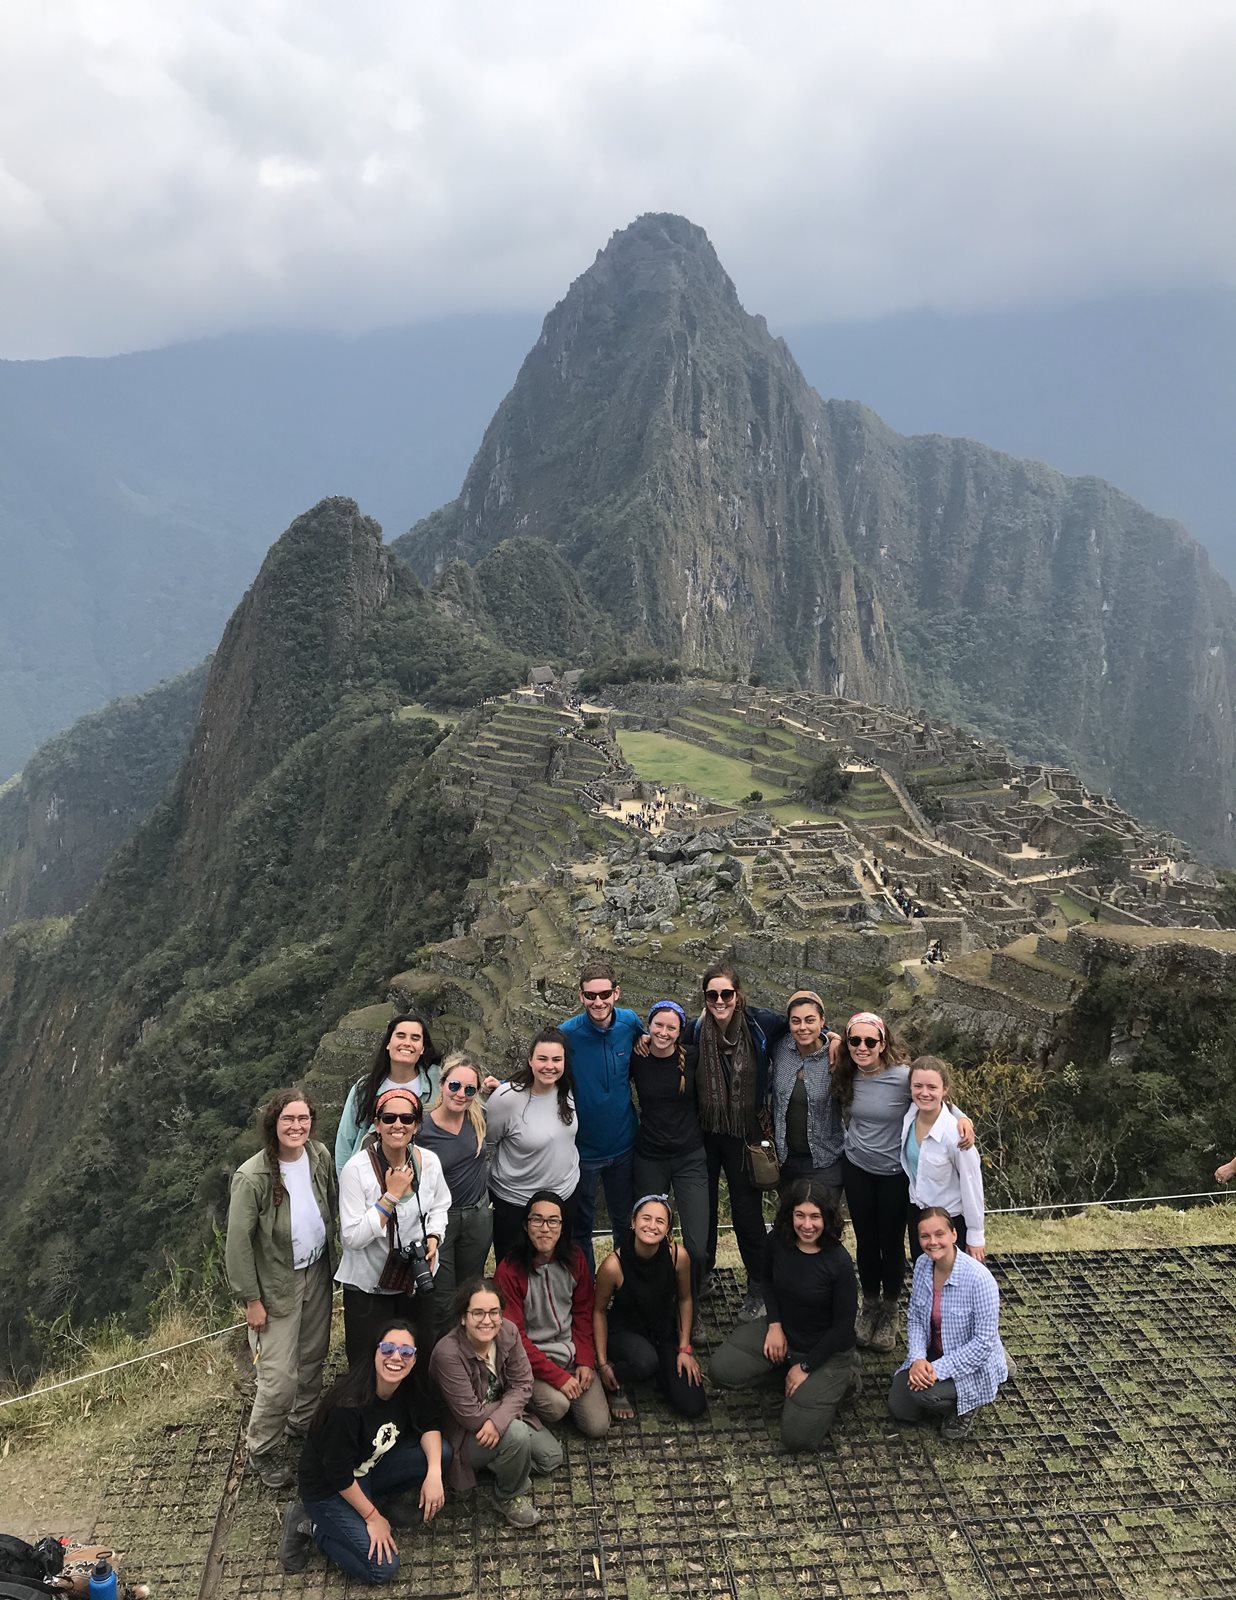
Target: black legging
point(509, 1222)
point(879, 1204)
point(727, 1154)
point(633, 1356)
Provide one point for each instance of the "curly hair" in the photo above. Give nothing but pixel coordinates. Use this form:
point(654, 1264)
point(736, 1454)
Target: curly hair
point(269, 1124)
point(807, 1192)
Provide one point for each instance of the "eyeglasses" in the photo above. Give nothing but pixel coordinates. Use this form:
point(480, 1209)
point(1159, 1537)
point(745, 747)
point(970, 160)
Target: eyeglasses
point(716, 997)
point(405, 1351)
point(295, 1121)
point(552, 1223)
point(596, 994)
point(408, 1118)
point(457, 1086)
point(866, 1044)
point(487, 1316)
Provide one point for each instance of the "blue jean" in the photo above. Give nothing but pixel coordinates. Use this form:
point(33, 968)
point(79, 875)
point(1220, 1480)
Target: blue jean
point(616, 1176)
point(339, 1531)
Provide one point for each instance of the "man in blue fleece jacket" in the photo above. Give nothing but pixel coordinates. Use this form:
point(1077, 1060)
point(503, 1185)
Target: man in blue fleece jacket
point(601, 1037)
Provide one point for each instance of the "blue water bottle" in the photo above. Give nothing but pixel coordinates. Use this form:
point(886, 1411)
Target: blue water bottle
point(103, 1580)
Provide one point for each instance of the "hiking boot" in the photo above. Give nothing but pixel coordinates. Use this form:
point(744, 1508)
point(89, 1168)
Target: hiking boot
point(273, 1472)
point(297, 1539)
point(865, 1322)
point(884, 1336)
point(519, 1511)
point(957, 1428)
point(752, 1307)
point(709, 1286)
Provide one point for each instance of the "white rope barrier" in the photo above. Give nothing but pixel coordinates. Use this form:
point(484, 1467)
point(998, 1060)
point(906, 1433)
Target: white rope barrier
point(102, 1372)
point(1135, 1200)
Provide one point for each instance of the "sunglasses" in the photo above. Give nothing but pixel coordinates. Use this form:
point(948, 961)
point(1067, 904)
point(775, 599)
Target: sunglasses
point(716, 997)
point(406, 1351)
point(458, 1086)
point(408, 1118)
point(596, 994)
point(867, 1044)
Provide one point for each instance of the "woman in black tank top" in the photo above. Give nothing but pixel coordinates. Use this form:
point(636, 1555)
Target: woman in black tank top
point(643, 1315)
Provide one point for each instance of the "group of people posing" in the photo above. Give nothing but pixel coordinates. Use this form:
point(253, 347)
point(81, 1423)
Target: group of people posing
point(453, 1373)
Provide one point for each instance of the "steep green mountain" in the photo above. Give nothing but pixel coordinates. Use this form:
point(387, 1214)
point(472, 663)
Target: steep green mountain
point(84, 793)
point(302, 854)
point(527, 595)
point(721, 512)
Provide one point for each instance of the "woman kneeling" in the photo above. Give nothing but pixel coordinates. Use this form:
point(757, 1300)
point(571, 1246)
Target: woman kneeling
point(642, 1319)
point(956, 1362)
point(812, 1296)
point(376, 1434)
point(486, 1382)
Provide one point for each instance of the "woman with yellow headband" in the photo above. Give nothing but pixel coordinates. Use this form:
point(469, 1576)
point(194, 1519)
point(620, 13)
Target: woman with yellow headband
point(871, 1082)
point(807, 1127)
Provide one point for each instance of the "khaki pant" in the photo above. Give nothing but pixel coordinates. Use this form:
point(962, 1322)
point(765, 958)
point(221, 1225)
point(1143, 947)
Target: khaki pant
point(808, 1413)
point(521, 1451)
point(289, 1370)
point(590, 1413)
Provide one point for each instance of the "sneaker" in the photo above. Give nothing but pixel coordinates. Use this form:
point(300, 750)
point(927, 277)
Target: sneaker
point(885, 1335)
point(752, 1307)
point(297, 1539)
point(273, 1472)
point(865, 1322)
point(519, 1511)
point(956, 1428)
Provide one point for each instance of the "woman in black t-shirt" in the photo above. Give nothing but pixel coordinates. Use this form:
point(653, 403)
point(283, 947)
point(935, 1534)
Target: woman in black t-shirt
point(669, 1146)
point(376, 1435)
point(811, 1294)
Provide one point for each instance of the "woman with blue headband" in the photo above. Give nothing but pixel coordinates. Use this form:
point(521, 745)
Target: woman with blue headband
point(669, 1147)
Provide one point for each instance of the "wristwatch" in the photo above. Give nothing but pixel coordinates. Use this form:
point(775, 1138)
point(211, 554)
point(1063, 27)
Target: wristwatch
point(803, 1367)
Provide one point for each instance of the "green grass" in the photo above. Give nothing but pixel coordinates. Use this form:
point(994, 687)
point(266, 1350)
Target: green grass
point(1071, 910)
point(411, 712)
point(660, 758)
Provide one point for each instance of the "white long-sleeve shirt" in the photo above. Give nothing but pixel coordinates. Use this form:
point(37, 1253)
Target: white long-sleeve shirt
point(362, 1227)
point(948, 1176)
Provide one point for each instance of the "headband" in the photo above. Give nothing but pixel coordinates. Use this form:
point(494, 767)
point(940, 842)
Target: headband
point(660, 1199)
point(403, 1094)
point(801, 995)
point(870, 1020)
point(669, 1005)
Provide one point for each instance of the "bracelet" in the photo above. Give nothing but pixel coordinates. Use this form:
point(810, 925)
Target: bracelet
point(685, 1350)
point(602, 1365)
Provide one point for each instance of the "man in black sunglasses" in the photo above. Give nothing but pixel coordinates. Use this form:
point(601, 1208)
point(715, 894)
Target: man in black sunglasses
point(601, 1037)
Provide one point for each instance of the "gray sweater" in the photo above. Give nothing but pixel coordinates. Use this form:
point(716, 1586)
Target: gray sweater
point(873, 1137)
point(529, 1145)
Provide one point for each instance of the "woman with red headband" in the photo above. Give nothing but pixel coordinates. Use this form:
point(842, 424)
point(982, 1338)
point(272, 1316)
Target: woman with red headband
point(393, 1203)
point(871, 1081)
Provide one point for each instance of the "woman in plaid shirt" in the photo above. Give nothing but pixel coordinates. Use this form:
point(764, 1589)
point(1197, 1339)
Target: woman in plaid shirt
point(956, 1361)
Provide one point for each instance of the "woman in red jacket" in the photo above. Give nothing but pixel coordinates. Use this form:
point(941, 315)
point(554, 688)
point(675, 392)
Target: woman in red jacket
point(549, 1297)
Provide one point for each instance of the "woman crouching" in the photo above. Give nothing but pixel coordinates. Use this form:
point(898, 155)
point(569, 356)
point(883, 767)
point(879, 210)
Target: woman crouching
point(376, 1435)
point(811, 1294)
point(956, 1362)
point(485, 1380)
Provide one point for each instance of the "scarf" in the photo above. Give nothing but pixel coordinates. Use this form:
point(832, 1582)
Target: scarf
point(725, 1077)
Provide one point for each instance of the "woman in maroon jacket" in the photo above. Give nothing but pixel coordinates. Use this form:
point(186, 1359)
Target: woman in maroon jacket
point(549, 1297)
point(485, 1382)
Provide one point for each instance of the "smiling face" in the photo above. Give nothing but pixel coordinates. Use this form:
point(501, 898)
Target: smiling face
point(808, 1221)
point(937, 1238)
point(481, 1320)
point(293, 1126)
point(926, 1089)
point(543, 1226)
point(459, 1099)
point(651, 1222)
point(599, 996)
point(865, 1042)
point(405, 1047)
point(547, 1063)
point(665, 1029)
point(721, 998)
point(396, 1134)
point(390, 1365)
point(806, 1026)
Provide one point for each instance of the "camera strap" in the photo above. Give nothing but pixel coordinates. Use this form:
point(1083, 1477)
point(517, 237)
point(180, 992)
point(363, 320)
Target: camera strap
point(380, 1167)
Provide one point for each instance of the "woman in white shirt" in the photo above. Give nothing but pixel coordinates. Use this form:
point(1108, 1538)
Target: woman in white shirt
point(393, 1203)
point(940, 1172)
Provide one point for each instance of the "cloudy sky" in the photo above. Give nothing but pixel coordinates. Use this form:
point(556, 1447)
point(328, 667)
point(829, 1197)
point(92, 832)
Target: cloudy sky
point(169, 170)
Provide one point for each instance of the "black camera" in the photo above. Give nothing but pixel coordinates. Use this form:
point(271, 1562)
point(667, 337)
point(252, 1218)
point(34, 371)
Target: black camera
point(417, 1264)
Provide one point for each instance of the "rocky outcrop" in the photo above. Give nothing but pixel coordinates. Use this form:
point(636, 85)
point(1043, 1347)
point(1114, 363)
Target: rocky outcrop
point(720, 512)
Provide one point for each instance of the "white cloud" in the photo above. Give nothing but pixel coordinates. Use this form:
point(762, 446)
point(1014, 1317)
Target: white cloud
point(176, 167)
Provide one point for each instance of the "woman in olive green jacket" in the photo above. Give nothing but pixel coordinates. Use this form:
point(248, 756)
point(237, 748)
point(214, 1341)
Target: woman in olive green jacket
point(281, 1258)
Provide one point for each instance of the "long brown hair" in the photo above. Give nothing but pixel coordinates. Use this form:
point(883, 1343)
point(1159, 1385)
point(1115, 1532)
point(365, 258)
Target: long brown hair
point(892, 1054)
point(269, 1124)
